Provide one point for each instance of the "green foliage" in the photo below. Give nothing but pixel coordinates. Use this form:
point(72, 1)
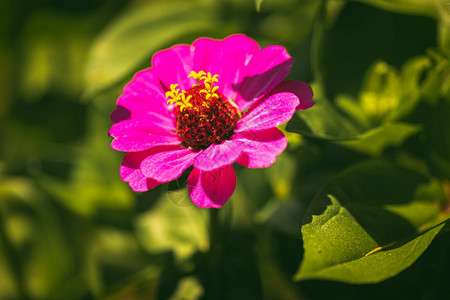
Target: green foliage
point(367, 233)
point(171, 226)
point(357, 207)
point(139, 32)
point(331, 253)
point(258, 5)
point(334, 127)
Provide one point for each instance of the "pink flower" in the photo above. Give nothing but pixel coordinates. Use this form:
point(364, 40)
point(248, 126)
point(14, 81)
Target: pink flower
point(208, 104)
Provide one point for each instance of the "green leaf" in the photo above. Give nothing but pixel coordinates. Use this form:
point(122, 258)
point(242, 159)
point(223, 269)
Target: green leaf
point(386, 94)
point(32, 229)
point(95, 186)
point(258, 5)
point(322, 121)
point(373, 204)
point(54, 47)
point(143, 283)
point(416, 7)
point(338, 248)
point(380, 93)
point(444, 34)
point(174, 224)
point(141, 31)
point(351, 107)
point(374, 141)
point(410, 76)
point(434, 83)
point(189, 288)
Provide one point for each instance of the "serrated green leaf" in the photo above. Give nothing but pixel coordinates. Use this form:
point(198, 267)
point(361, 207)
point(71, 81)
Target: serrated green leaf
point(373, 204)
point(374, 141)
point(139, 33)
point(338, 248)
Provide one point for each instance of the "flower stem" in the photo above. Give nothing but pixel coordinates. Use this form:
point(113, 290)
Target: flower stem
point(316, 50)
point(213, 229)
point(214, 256)
point(219, 230)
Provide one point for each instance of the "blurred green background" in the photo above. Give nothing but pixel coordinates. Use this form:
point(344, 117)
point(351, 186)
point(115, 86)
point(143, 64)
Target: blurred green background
point(71, 229)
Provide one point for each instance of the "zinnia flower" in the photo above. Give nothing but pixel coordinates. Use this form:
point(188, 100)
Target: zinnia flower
point(206, 105)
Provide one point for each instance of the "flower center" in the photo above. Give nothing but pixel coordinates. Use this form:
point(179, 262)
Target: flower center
point(203, 115)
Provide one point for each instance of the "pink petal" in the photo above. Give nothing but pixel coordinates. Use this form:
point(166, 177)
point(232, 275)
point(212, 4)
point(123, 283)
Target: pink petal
point(152, 123)
point(120, 113)
point(168, 163)
point(219, 155)
point(227, 58)
point(141, 141)
point(141, 95)
point(303, 91)
point(271, 111)
point(130, 172)
point(204, 49)
point(211, 189)
point(173, 65)
point(140, 134)
point(262, 147)
point(149, 125)
point(266, 69)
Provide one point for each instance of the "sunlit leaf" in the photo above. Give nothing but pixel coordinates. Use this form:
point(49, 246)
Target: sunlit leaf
point(258, 5)
point(410, 79)
point(374, 141)
point(188, 289)
point(373, 204)
point(338, 248)
point(175, 224)
point(386, 94)
point(350, 106)
point(434, 82)
point(380, 93)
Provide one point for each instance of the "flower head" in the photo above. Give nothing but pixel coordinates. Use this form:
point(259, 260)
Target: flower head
point(206, 105)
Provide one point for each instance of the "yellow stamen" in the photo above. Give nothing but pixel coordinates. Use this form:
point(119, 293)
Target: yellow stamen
point(179, 99)
point(197, 76)
point(208, 82)
point(173, 93)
